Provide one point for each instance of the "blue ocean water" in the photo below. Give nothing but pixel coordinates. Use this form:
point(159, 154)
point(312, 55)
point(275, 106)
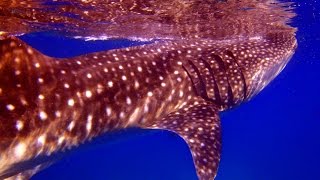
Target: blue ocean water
point(275, 136)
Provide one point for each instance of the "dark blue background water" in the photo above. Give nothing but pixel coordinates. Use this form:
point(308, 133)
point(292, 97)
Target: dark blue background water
point(276, 136)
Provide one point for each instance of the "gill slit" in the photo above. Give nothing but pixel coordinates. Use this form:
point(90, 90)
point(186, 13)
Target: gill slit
point(245, 88)
point(230, 97)
point(201, 91)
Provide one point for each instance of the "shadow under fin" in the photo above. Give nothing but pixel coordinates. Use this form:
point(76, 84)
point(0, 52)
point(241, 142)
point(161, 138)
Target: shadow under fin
point(27, 174)
point(198, 124)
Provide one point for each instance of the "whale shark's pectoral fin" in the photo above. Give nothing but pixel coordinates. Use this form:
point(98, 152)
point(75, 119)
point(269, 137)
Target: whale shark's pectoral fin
point(199, 125)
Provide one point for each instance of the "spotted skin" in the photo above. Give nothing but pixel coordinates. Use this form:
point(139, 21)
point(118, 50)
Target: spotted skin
point(48, 105)
point(199, 125)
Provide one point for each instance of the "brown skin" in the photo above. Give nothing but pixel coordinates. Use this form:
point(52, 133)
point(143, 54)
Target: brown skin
point(202, 66)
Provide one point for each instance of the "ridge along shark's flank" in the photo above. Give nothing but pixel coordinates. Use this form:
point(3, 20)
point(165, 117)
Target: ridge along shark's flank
point(178, 84)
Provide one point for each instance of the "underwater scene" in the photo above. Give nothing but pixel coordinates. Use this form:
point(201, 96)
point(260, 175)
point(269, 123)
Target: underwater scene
point(160, 90)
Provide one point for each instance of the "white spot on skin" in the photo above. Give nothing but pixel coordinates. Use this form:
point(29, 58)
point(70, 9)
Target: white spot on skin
point(37, 65)
point(30, 51)
point(163, 84)
point(23, 101)
point(66, 85)
point(41, 97)
point(89, 76)
point(121, 115)
point(150, 94)
point(99, 88)
point(42, 140)
point(60, 140)
point(20, 149)
point(58, 114)
point(109, 111)
point(139, 68)
point(89, 123)
point(10, 107)
point(128, 100)
point(17, 72)
point(136, 84)
point(146, 108)
point(40, 80)
point(19, 125)
point(71, 102)
point(110, 83)
point(78, 94)
point(88, 94)
point(17, 60)
point(180, 93)
point(124, 78)
point(43, 115)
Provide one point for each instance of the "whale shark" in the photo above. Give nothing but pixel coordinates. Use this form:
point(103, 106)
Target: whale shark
point(205, 57)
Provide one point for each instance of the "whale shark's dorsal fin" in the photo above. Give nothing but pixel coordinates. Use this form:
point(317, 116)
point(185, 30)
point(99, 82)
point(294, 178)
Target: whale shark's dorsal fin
point(198, 123)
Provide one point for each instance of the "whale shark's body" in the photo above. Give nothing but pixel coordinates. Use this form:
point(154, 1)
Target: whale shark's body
point(179, 83)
